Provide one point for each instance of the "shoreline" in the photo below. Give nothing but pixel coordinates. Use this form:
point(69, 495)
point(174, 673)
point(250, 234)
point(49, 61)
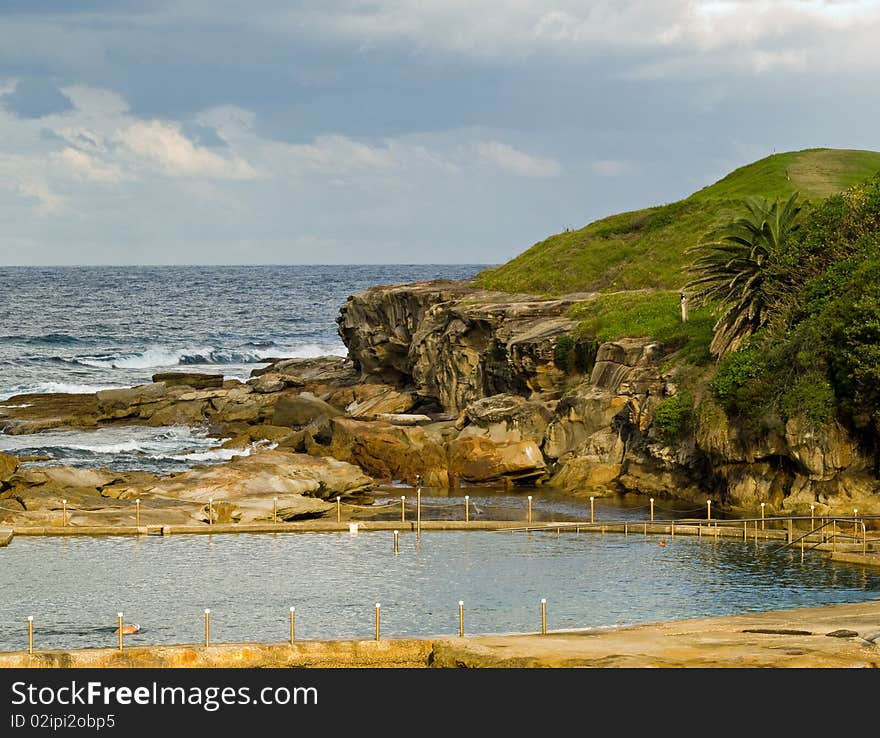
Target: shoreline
point(830, 636)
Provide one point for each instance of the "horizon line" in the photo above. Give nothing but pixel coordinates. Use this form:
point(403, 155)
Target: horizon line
point(337, 264)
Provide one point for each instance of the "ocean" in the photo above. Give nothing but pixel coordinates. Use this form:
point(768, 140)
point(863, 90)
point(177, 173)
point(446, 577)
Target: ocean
point(82, 329)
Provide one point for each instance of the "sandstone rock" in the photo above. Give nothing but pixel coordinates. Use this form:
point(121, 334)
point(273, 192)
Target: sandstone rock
point(129, 398)
point(821, 452)
point(189, 379)
point(8, 466)
point(264, 474)
point(453, 342)
point(378, 399)
point(479, 460)
point(507, 417)
point(178, 413)
point(580, 473)
point(300, 410)
point(330, 370)
point(389, 452)
point(271, 382)
point(403, 418)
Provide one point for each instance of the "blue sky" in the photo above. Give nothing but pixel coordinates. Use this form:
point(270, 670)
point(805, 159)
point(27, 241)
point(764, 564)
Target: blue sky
point(454, 131)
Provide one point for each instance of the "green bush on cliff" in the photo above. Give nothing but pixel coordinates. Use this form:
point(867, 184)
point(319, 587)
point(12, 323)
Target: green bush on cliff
point(674, 416)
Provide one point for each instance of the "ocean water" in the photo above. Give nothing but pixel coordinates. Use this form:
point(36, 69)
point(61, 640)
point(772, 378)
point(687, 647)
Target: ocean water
point(82, 329)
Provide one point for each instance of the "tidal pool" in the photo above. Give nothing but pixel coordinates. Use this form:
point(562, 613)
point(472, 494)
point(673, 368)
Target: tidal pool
point(74, 586)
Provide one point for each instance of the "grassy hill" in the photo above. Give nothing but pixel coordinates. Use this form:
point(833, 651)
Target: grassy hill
point(646, 249)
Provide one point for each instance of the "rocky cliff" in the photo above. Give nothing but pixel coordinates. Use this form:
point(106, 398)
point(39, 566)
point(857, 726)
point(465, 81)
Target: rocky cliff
point(492, 360)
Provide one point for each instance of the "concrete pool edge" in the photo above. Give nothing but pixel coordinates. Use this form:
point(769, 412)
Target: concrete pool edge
point(830, 636)
point(851, 553)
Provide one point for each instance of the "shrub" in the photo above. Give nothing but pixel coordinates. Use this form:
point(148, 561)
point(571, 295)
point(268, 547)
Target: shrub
point(674, 416)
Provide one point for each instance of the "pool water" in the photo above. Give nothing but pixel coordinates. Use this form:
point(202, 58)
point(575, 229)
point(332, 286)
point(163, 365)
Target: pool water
point(74, 586)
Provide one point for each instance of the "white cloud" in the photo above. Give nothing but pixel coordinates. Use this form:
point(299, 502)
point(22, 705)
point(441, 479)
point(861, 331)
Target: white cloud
point(751, 35)
point(517, 162)
point(177, 156)
point(337, 154)
point(86, 166)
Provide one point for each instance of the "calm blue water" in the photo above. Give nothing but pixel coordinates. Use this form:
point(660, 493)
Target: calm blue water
point(75, 586)
point(81, 329)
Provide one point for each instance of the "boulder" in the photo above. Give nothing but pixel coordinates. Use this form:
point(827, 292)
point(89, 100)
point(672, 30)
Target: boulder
point(300, 410)
point(195, 380)
point(329, 370)
point(271, 382)
point(130, 397)
point(479, 460)
point(389, 452)
point(379, 399)
point(506, 417)
point(8, 466)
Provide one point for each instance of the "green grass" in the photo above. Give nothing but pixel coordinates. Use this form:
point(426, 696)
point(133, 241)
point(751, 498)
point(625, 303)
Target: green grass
point(647, 249)
point(654, 315)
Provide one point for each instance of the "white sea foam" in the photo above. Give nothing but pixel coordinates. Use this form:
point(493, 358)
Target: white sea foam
point(57, 387)
point(159, 356)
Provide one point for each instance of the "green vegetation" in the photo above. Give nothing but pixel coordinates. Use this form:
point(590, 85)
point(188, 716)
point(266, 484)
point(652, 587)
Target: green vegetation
point(786, 250)
point(649, 249)
point(654, 314)
point(819, 360)
point(733, 266)
point(675, 416)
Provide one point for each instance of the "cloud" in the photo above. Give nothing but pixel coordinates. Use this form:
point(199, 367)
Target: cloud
point(517, 162)
point(177, 156)
point(35, 97)
point(334, 153)
point(86, 166)
point(37, 189)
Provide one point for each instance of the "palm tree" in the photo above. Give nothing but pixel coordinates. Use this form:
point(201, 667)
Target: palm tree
point(733, 267)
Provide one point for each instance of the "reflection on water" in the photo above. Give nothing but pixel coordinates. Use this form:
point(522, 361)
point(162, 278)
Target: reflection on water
point(75, 586)
point(499, 503)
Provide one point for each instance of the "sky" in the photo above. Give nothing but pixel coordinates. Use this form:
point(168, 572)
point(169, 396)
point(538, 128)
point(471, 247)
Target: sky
point(437, 131)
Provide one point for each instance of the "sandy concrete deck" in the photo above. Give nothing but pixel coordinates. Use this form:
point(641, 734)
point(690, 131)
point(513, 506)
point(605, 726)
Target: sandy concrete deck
point(781, 638)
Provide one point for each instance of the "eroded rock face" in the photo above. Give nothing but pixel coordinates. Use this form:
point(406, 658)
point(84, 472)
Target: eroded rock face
point(455, 343)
